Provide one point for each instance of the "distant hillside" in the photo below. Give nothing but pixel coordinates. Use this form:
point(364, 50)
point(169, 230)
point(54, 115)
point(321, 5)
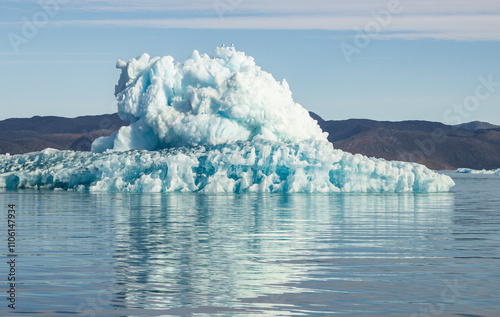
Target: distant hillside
point(477, 125)
point(438, 146)
point(22, 135)
point(433, 144)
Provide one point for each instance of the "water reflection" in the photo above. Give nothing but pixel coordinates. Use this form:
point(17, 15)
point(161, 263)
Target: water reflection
point(261, 252)
point(252, 255)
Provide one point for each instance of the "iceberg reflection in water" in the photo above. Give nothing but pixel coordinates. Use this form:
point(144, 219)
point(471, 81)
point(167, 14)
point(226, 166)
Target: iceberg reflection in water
point(179, 254)
point(263, 253)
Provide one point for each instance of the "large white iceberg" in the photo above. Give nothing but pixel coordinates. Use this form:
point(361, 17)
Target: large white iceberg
point(202, 101)
point(212, 125)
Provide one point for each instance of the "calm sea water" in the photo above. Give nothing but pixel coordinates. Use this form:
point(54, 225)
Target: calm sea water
point(94, 254)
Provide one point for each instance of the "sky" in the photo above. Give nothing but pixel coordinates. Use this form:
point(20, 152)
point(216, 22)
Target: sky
point(385, 60)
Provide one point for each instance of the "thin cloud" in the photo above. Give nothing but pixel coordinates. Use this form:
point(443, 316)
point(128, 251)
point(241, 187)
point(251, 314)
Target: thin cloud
point(10, 62)
point(453, 27)
point(54, 53)
point(283, 6)
point(437, 19)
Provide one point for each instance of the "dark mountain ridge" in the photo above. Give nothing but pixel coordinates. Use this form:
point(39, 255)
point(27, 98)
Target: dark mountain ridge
point(433, 144)
point(478, 125)
point(22, 135)
point(475, 145)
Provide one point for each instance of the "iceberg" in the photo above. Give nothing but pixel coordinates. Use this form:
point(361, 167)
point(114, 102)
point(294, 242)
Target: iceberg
point(243, 166)
point(204, 101)
point(483, 172)
point(212, 124)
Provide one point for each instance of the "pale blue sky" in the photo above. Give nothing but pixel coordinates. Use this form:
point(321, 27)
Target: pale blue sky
point(423, 58)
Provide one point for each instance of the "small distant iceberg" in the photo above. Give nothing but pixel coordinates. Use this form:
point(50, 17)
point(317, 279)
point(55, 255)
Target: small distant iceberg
point(212, 124)
point(483, 172)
